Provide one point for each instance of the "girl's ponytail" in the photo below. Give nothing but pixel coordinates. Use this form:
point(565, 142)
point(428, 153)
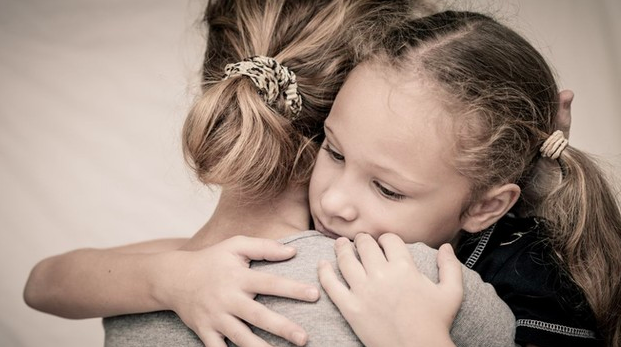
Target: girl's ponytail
point(585, 227)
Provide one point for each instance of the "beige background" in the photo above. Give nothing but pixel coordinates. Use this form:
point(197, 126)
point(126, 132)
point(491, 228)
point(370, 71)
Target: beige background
point(92, 97)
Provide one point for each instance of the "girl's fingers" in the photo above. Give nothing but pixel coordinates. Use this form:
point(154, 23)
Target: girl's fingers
point(336, 290)
point(269, 284)
point(449, 271)
point(371, 255)
point(258, 249)
point(394, 248)
point(240, 334)
point(211, 338)
point(352, 270)
point(261, 317)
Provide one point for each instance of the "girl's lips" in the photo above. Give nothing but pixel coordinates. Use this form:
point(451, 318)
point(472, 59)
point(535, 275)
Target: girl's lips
point(325, 231)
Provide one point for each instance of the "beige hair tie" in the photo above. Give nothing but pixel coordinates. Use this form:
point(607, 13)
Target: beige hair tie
point(271, 78)
point(554, 145)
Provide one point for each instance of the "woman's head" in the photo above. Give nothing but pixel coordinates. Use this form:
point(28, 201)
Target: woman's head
point(232, 137)
point(235, 139)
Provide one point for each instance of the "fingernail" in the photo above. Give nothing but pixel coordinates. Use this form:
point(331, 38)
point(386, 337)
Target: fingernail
point(450, 248)
point(312, 293)
point(341, 241)
point(299, 338)
point(359, 236)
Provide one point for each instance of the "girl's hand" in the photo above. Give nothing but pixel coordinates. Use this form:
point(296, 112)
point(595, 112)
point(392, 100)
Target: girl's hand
point(389, 302)
point(212, 291)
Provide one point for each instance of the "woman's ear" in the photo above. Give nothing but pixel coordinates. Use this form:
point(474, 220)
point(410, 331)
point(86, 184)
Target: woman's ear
point(492, 205)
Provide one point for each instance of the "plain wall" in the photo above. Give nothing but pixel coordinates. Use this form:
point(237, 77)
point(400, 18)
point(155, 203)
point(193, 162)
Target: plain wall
point(92, 97)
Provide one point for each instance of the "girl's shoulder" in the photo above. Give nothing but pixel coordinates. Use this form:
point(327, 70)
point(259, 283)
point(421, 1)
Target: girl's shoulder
point(516, 257)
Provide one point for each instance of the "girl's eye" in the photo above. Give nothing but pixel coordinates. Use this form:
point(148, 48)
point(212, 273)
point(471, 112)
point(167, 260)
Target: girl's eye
point(387, 193)
point(336, 156)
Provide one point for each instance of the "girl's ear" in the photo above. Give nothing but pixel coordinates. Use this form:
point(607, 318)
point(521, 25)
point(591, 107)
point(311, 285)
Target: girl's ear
point(494, 204)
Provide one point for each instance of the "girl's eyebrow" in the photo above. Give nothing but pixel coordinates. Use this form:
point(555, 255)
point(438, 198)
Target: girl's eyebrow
point(400, 176)
point(377, 166)
point(327, 130)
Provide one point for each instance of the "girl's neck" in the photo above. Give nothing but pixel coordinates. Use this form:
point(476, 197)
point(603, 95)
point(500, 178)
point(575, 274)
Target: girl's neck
point(282, 216)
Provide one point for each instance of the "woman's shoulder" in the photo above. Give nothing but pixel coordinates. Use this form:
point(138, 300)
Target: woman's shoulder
point(311, 246)
point(483, 320)
point(307, 237)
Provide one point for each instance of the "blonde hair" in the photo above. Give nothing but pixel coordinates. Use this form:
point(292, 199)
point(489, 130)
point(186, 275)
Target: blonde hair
point(507, 99)
point(234, 139)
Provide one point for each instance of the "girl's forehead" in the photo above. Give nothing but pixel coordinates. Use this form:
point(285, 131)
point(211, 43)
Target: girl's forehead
point(392, 92)
point(406, 78)
point(392, 115)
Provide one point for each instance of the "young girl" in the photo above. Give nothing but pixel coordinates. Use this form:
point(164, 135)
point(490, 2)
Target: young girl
point(271, 71)
point(449, 135)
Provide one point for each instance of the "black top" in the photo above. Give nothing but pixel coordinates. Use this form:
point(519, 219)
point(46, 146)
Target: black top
point(515, 258)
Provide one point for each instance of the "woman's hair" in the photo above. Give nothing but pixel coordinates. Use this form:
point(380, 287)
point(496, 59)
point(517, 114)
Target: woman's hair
point(507, 100)
point(231, 136)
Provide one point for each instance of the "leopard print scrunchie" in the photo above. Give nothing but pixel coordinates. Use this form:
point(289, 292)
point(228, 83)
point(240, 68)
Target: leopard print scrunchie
point(271, 78)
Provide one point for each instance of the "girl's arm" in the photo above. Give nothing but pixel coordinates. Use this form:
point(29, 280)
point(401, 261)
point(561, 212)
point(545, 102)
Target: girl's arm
point(389, 302)
point(87, 283)
point(211, 290)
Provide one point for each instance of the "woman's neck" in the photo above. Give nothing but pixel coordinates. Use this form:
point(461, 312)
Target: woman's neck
point(282, 216)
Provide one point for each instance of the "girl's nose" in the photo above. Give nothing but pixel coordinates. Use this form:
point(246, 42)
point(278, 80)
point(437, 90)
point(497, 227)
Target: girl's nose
point(337, 203)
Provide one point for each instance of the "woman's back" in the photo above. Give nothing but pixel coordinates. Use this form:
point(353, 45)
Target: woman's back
point(483, 320)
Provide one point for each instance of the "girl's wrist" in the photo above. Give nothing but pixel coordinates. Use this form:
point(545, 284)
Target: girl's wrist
point(159, 278)
point(441, 339)
point(429, 338)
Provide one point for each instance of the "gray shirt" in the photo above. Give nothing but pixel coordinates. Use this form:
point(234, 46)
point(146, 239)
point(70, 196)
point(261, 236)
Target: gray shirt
point(483, 320)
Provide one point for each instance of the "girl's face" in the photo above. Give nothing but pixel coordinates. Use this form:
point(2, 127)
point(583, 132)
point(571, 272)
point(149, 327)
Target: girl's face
point(385, 165)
